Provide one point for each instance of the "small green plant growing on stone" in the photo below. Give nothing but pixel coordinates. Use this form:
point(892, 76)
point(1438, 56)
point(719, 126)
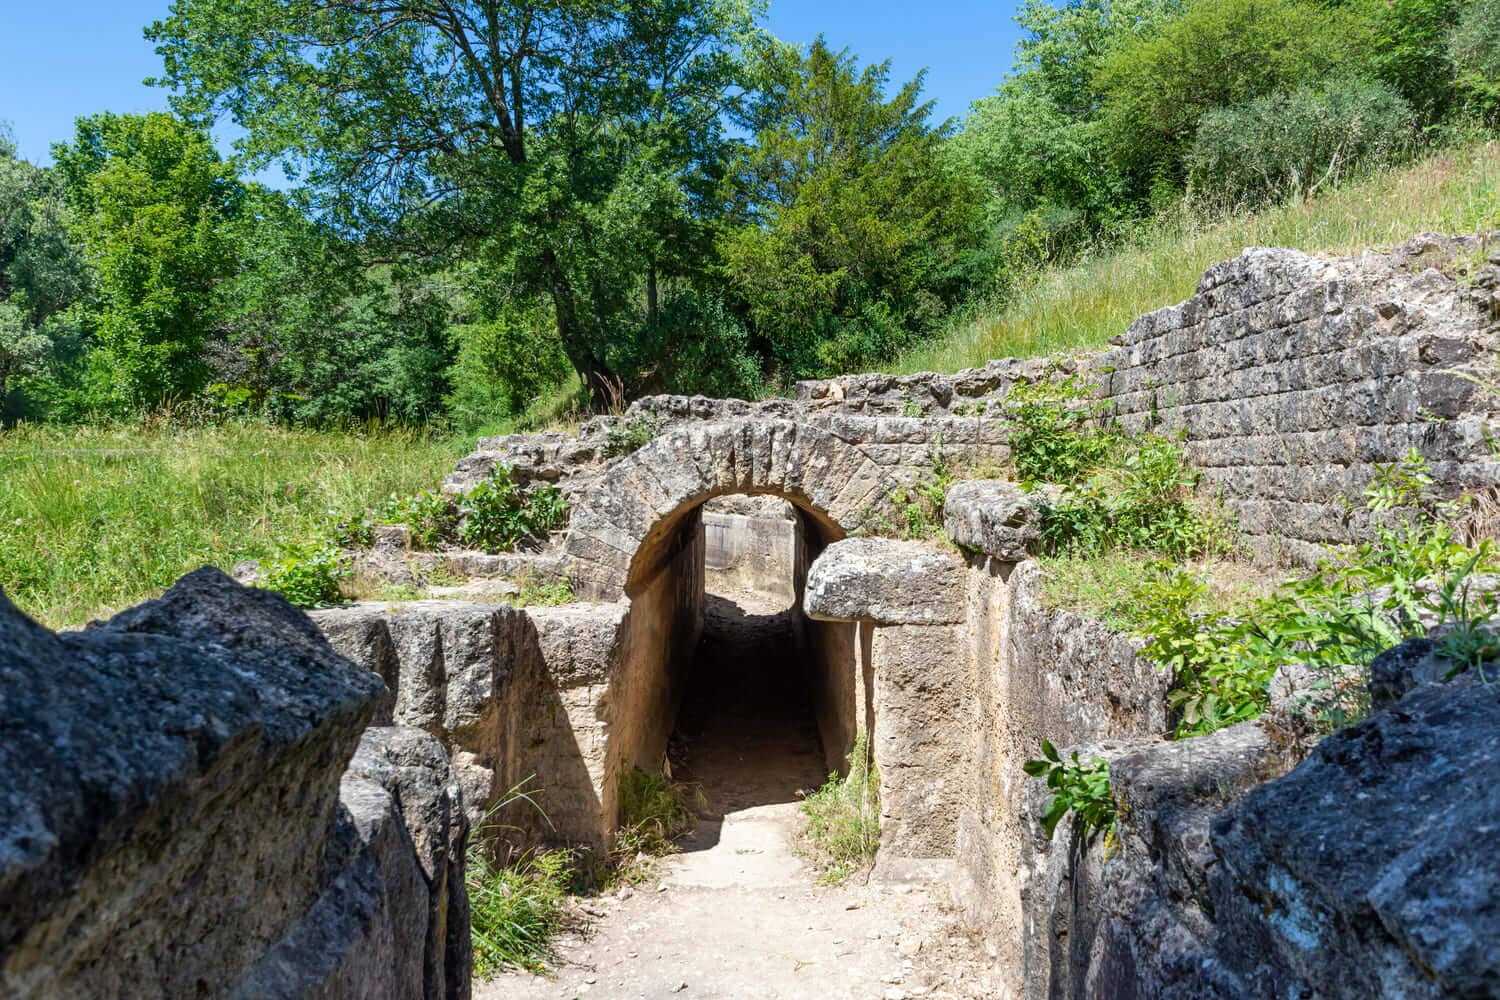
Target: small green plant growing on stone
point(843, 817)
point(911, 406)
point(307, 574)
point(1471, 641)
point(631, 434)
point(1057, 434)
point(515, 907)
point(1079, 788)
point(497, 514)
point(431, 518)
point(546, 593)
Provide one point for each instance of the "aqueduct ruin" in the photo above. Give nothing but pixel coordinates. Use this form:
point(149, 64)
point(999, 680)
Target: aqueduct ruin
point(1290, 379)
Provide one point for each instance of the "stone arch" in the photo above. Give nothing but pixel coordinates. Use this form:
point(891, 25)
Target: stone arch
point(621, 531)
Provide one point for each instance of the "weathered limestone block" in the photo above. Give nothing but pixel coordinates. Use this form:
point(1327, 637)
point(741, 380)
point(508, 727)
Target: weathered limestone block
point(887, 582)
point(168, 780)
point(1365, 871)
point(511, 694)
point(995, 517)
point(919, 740)
point(393, 920)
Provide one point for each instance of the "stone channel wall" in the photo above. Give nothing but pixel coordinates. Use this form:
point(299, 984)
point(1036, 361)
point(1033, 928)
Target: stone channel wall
point(194, 807)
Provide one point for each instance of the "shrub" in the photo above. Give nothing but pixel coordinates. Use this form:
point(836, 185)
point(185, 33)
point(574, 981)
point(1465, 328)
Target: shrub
point(630, 434)
point(1474, 47)
point(1290, 144)
point(503, 364)
point(1056, 436)
point(431, 517)
point(1082, 789)
point(843, 817)
point(1357, 604)
point(1145, 500)
point(307, 574)
point(497, 514)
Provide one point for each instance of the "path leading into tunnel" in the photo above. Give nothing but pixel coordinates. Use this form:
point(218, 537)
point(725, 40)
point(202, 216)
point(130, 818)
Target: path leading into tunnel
point(738, 913)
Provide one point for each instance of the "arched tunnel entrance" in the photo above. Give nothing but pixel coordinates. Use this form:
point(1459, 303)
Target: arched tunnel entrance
point(746, 733)
point(728, 686)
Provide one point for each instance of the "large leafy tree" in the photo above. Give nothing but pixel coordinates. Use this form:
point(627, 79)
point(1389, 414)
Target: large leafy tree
point(854, 221)
point(41, 271)
point(1035, 145)
point(150, 202)
point(567, 143)
point(1155, 87)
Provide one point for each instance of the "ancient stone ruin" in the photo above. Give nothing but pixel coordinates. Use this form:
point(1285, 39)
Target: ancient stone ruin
point(214, 794)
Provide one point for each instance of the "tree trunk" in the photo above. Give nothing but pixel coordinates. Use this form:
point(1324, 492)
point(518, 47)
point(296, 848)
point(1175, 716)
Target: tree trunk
point(605, 390)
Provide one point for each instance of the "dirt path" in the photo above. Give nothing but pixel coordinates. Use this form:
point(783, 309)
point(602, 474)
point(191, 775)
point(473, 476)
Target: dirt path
point(738, 912)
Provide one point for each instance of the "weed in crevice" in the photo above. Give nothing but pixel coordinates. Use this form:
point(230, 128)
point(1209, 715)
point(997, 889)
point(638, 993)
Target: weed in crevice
point(1079, 788)
point(654, 813)
point(308, 574)
point(498, 513)
point(516, 906)
point(628, 435)
point(430, 518)
point(843, 818)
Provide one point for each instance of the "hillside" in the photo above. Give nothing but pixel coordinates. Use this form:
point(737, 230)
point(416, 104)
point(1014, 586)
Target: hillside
point(1080, 307)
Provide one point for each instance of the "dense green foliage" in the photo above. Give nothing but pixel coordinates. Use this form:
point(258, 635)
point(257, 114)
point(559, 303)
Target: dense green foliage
point(1291, 144)
point(1355, 605)
point(857, 224)
point(496, 204)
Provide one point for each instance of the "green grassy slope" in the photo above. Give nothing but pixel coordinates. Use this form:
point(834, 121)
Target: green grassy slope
point(1079, 308)
point(93, 520)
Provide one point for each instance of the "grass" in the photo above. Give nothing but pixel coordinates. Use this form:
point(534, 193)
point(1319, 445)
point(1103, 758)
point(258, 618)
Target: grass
point(515, 909)
point(1107, 586)
point(654, 813)
point(843, 818)
point(95, 519)
point(1079, 308)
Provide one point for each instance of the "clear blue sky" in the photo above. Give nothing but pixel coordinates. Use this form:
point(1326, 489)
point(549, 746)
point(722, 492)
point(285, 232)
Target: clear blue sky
point(60, 59)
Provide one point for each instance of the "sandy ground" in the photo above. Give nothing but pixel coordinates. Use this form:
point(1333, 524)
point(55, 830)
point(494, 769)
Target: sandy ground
point(738, 912)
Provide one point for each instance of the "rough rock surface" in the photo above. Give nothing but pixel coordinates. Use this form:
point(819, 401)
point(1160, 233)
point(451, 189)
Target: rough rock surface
point(887, 582)
point(394, 920)
point(1357, 874)
point(1367, 870)
point(995, 517)
point(170, 782)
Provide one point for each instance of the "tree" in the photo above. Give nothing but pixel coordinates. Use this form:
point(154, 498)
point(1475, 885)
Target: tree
point(1036, 145)
point(567, 144)
point(150, 202)
point(41, 272)
point(1474, 47)
point(853, 220)
point(1155, 87)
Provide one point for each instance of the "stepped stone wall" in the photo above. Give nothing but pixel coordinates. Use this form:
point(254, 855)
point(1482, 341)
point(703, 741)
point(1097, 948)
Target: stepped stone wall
point(1291, 377)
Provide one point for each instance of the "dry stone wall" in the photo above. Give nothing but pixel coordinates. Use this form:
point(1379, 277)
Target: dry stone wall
point(1292, 376)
